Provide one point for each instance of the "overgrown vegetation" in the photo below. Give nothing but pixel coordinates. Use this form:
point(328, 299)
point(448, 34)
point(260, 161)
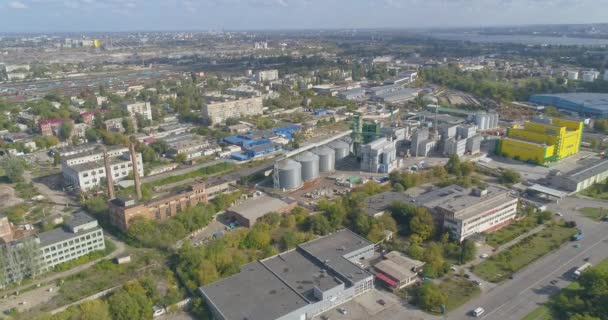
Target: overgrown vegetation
point(499, 267)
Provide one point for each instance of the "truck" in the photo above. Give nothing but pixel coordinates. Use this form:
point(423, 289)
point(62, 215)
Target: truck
point(579, 271)
point(578, 236)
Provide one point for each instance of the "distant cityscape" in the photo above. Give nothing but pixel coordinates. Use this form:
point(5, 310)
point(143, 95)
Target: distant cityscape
point(305, 174)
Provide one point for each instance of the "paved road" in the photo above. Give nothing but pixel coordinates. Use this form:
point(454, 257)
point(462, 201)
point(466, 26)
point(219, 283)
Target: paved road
point(514, 299)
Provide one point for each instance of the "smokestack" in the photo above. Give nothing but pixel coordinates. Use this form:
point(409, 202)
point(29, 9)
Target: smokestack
point(135, 171)
point(109, 180)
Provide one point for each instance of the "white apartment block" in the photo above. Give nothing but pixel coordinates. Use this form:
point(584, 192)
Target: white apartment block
point(218, 112)
point(466, 211)
point(141, 108)
point(81, 236)
point(90, 175)
point(266, 75)
point(76, 238)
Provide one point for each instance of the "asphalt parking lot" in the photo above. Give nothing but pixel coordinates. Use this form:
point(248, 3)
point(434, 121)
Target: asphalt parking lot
point(367, 307)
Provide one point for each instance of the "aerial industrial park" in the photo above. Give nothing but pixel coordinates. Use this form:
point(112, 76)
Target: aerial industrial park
point(299, 175)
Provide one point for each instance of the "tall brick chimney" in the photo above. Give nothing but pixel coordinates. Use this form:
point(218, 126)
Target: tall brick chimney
point(135, 171)
point(109, 180)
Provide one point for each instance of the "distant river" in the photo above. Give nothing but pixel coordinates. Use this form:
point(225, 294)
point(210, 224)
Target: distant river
point(473, 37)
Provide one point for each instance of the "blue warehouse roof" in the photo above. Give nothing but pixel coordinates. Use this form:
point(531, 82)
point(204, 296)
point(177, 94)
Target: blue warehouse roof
point(586, 103)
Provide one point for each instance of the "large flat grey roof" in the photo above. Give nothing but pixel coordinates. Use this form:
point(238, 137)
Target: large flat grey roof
point(331, 249)
point(255, 293)
point(380, 202)
point(590, 169)
point(301, 273)
point(461, 200)
point(282, 284)
point(257, 207)
point(597, 101)
point(60, 234)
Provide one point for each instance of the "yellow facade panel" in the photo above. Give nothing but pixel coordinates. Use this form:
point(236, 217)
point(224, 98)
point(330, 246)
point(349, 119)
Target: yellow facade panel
point(523, 151)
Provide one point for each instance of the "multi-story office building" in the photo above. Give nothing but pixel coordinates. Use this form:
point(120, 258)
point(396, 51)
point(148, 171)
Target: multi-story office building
point(38, 254)
point(298, 284)
point(89, 175)
point(218, 112)
point(139, 108)
point(542, 140)
point(80, 236)
point(465, 211)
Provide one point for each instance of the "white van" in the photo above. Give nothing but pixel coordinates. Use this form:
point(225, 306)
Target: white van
point(479, 311)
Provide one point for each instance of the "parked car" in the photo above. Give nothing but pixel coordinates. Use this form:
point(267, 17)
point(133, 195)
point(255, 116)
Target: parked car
point(342, 311)
point(484, 256)
point(478, 312)
point(381, 302)
point(553, 282)
point(477, 282)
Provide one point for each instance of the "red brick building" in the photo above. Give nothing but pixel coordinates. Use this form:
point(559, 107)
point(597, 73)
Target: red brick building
point(50, 127)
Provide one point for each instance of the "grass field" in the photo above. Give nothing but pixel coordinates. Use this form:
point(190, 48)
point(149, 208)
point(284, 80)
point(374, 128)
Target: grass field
point(597, 214)
point(501, 266)
point(540, 313)
point(511, 232)
point(459, 291)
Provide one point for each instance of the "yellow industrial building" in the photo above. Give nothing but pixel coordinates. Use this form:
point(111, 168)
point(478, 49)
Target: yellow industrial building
point(542, 140)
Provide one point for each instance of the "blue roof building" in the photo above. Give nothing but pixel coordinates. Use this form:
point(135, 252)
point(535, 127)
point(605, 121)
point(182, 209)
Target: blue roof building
point(592, 104)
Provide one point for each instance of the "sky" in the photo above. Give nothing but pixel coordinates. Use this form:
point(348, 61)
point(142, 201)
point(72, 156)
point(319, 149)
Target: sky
point(159, 15)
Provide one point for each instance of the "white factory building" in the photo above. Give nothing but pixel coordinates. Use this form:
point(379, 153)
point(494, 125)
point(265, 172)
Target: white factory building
point(86, 170)
point(464, 212)
point(379, 156)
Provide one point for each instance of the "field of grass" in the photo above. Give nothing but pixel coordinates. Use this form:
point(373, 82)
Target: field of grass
point(511, 232)
point(459, 291)
point(540, 313)
point(107, 274)
point(597, 191)
point(217, 169)
point(502, 265)
point(597, 214)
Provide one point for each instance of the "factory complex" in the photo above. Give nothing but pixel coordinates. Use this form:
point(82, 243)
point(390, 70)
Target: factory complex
point(542, 140)
point(294, 285)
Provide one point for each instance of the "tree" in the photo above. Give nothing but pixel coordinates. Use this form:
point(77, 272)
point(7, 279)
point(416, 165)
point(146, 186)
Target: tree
point(422, 224)
point(318, 224)
point(94, 310)
point(453, 165)
point(207, 273)
point(430, 297)
point(14, 169)
point(66, 129)
point(509, 176)
point(56, 158)
point(181, 157)
point(288, 241)
point(127, 124)
point(91, 134)
point(398, 187)
point(469, 251)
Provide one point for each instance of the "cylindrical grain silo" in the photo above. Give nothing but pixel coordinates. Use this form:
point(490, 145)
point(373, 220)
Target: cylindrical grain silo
point(290, 174)
point(310, 165)
point(327, 159)
point(341, 148)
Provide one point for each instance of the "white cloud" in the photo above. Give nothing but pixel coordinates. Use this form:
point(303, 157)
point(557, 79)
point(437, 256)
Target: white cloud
point(17, 5)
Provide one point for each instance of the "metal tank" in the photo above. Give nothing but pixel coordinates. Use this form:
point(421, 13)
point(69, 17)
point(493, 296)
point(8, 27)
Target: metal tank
point(290, 174)
point(327, 159)
point(341, 148)
point(310, 165)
